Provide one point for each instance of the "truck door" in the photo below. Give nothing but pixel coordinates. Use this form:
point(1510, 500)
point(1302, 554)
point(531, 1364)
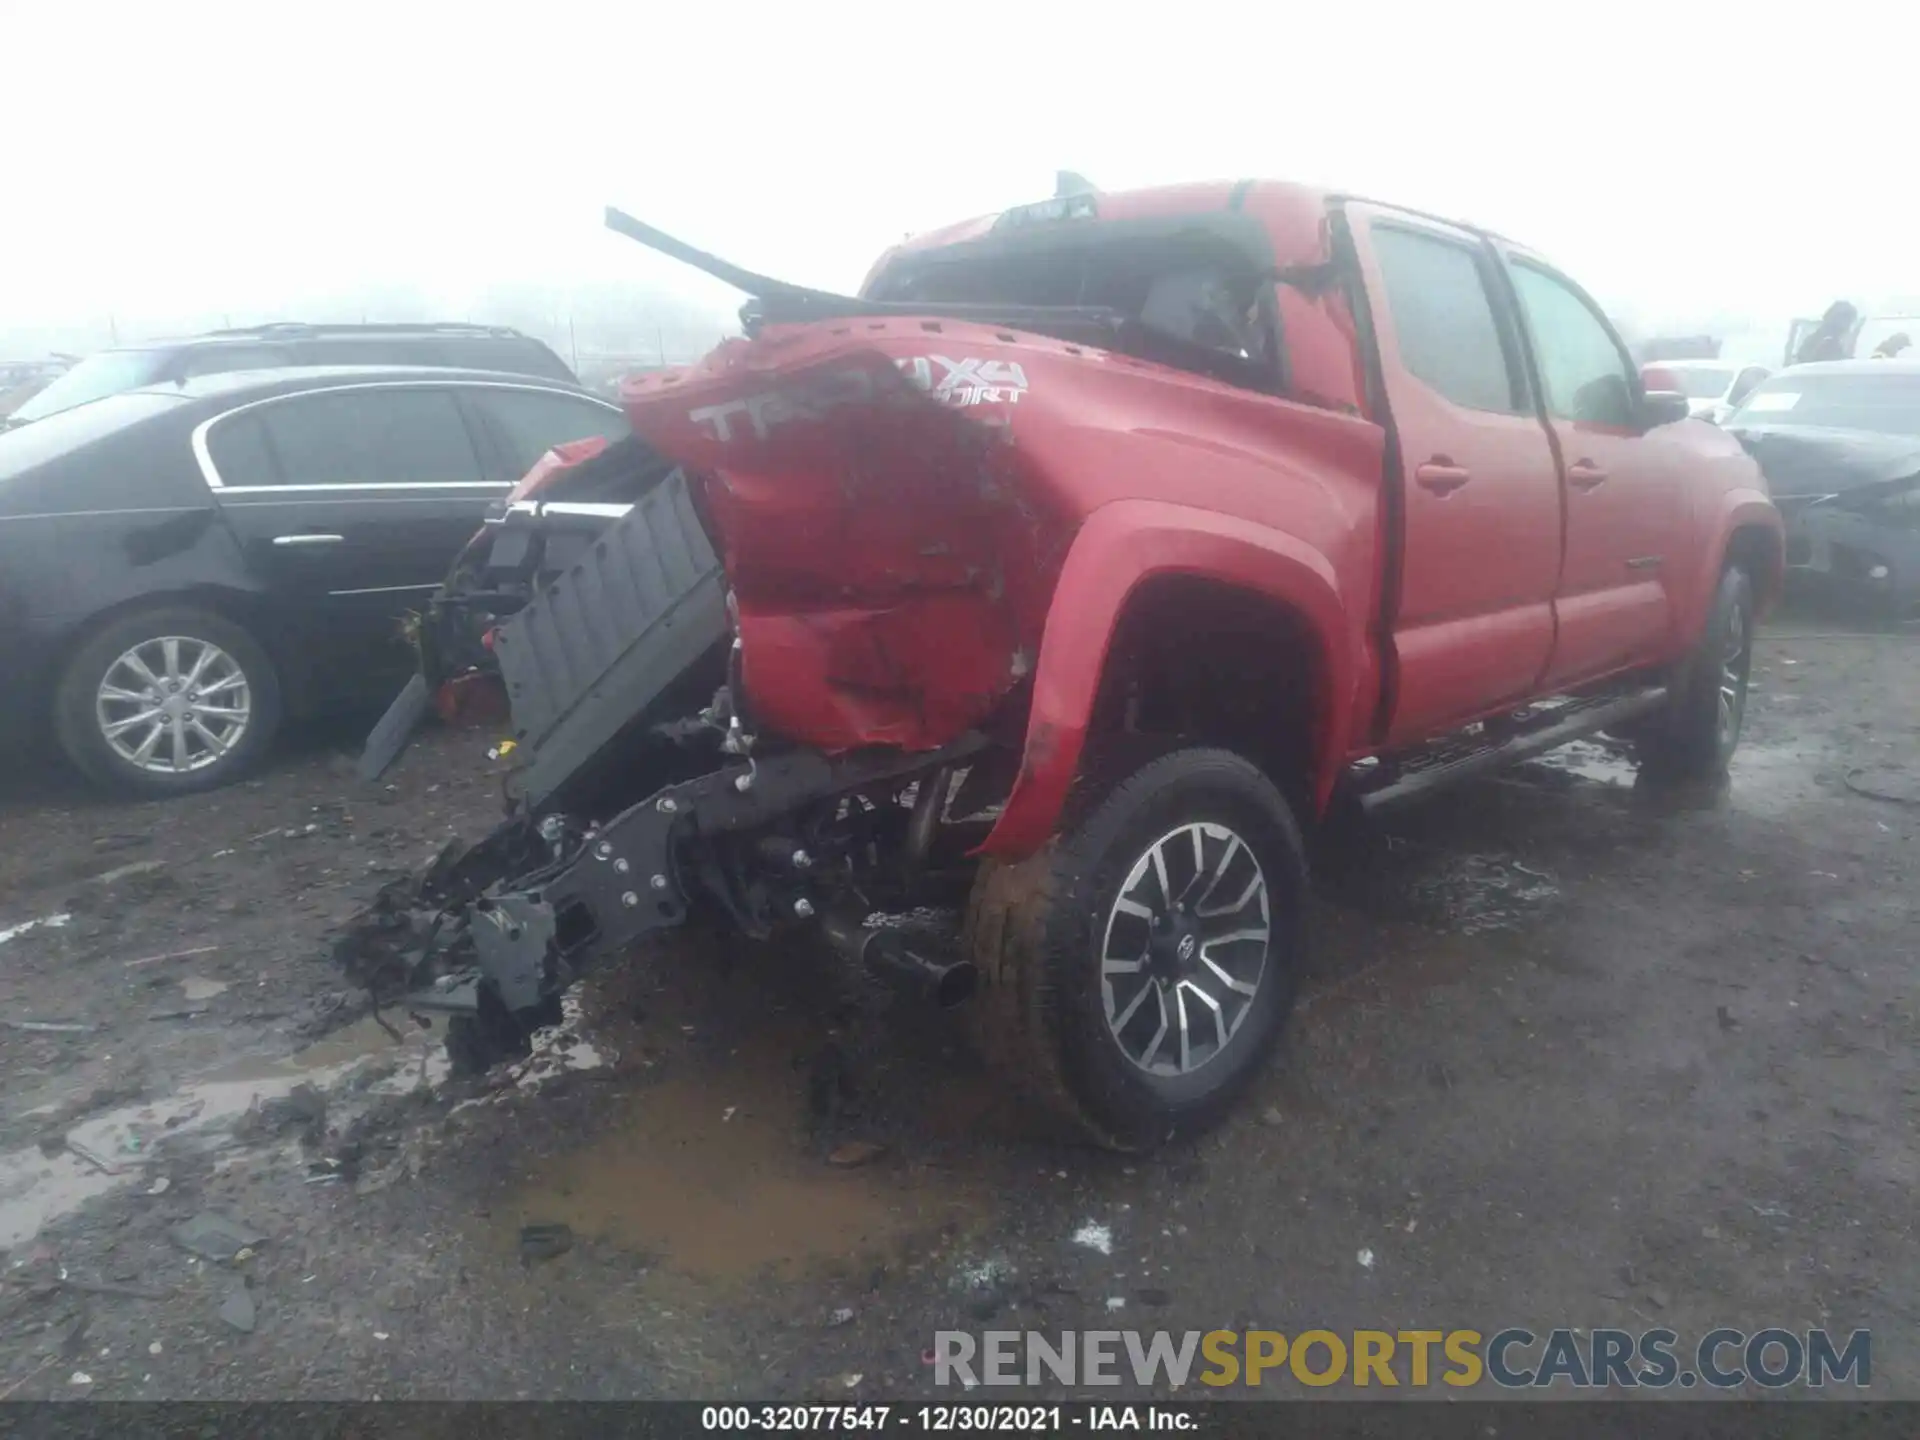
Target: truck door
point(1622, 484)
point(1480, 554)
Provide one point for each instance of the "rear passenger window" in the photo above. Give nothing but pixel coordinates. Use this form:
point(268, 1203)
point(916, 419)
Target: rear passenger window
point(238, 448)
point(1443, 320)
point(371, 437)
point(1585, 375)
point(532, 422)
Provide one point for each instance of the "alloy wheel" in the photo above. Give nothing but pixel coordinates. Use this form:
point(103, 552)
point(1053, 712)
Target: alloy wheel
point(1185, 949)
point(1733, 678)
point(173, 705)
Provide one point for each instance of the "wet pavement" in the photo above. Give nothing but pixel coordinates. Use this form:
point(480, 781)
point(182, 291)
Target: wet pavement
point(1568, 1051)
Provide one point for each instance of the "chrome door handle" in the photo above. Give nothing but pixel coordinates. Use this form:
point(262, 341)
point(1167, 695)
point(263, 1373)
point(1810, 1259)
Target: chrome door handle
point(1441, 475)
point(1585, 475)
point(308, 539)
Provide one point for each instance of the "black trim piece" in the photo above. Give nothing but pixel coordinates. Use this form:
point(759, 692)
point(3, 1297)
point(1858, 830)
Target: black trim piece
point(1393, 479)
point(1552, 730)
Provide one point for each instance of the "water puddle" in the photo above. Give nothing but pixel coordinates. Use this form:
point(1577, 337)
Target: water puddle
point(1766, 779)
point(132, 1143)
point(711, 1175)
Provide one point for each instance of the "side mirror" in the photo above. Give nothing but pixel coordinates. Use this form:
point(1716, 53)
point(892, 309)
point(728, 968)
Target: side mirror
point(1663, 407)
point(1663, 399)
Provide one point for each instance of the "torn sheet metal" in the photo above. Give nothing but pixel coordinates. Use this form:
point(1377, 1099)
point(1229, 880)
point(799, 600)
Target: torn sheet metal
point(884, 533)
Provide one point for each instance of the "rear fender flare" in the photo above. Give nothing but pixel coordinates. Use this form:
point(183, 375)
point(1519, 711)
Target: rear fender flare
point(1118, 548)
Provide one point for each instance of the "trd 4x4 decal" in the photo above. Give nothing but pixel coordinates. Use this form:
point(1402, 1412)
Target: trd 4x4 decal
point(967, 381)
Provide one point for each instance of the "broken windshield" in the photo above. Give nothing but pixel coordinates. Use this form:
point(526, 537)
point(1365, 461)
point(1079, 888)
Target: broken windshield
point(1191, 297)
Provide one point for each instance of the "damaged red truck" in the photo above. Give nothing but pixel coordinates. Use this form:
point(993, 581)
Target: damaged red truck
point(1057, 584)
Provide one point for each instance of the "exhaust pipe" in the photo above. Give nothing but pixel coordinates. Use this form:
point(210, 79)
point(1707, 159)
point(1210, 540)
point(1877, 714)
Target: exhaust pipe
point(883, 951)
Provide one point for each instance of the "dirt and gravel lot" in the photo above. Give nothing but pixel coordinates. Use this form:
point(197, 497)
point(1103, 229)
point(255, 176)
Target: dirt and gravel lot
point(1568, 1053)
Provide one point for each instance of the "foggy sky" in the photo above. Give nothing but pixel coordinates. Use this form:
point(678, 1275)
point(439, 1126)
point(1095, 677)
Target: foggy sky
point(207, 159)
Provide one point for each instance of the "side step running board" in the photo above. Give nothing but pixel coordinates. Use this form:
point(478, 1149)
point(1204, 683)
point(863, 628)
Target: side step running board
point(1536, 735)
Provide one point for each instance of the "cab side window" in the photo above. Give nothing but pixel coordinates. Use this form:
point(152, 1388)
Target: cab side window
point(1586, 376)
point(1444, 324)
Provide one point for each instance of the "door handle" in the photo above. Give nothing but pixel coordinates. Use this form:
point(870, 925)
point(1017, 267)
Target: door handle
point(308, 539)
point(1441, 475)
point(1584, 475)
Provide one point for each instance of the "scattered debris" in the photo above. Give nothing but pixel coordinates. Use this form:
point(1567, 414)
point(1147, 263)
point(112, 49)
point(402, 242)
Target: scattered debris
point(107, 844)
point(1769, 1212)
point(156, 1348)
point(851, 1379)
point(238, 1310)
point(1094, 1236)
point(172, 955)
point(198, 987)
point(1116, 1302)
point(1890, 783)
point(302, 1109)
point(80, 1377)
point(856, 1152)
point(49, 922)
point(1365, 1257)
point(146, 870)
point(1272, 1116)
point(160, 1186)
point(51, 1027)
point(88, 1287)
point(842, 1316)
point(545, 1241)
point(214, 1237)
point(728, 1113)
point(1725, 1016)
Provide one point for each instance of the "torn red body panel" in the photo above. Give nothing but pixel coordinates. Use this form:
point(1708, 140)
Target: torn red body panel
point(897, 502)
point(890, 549)
point(555, 463)
point(470, 701)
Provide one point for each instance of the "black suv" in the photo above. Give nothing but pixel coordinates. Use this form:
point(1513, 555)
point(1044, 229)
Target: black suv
point(184, 563)
point(274, 347)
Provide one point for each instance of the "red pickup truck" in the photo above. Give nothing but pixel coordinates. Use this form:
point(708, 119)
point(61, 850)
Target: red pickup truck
point(1066, 575)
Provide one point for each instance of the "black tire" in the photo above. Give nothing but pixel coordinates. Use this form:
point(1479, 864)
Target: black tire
point(1695, 735)
point(1038, 930)
point(77, 712)
point(494, 1036)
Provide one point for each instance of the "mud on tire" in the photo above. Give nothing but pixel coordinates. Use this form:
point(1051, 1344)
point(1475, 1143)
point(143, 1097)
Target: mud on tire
point(1695, 735)
point(1061, 1011)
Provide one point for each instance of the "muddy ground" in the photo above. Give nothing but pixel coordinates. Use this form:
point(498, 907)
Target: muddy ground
point(1568, 1053)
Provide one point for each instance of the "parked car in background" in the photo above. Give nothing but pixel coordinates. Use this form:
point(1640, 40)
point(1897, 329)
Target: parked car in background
point(1839, 443)
point(1714, 388)
point(183, 564)
point(274, 347)
point(21, 380)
